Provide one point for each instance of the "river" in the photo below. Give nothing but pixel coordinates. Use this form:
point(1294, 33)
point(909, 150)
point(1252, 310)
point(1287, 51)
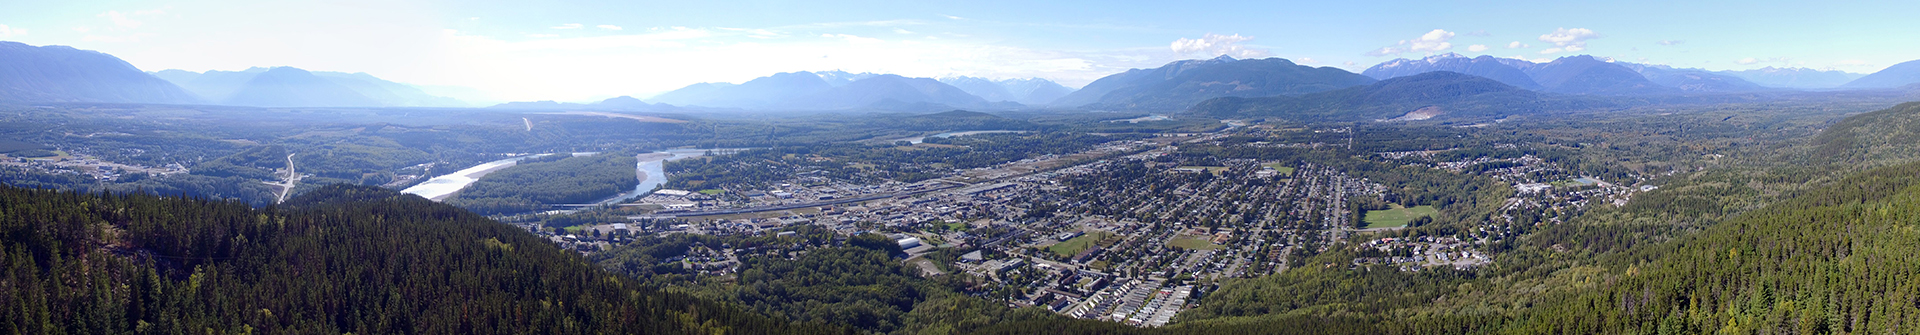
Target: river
point(917, 140)
point(650, 170)
point(439, 188)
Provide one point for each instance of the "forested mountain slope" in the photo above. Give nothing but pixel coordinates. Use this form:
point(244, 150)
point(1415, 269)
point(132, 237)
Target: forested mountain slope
point(337, 260)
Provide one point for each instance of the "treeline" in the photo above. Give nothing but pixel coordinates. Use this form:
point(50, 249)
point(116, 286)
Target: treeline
point(338, 260)
point(875, 162)
point(1828, 261)
point(569, 180)
point(857, 281)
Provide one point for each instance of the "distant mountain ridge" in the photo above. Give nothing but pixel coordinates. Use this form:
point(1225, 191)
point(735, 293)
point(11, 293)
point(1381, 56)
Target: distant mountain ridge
point(293, 87)
point(1898, 75)
point(1181, 84)
point(65, 74)
point(1030, 91)
point(1439, 94)
point(1483, 66)
point(1794, 77)
point(1585, 74)
point(1692, 80)
point(833, 91)
point(620, 103)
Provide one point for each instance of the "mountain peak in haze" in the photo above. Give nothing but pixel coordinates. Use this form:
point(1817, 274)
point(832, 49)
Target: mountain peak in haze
point(223, 86)
point(64, 74)
point(292, 87)
point(1794, 77)
point(1181, 84)
point(1483, 66)
point(1893, 76)
point(1585, 74)
point(1028, 91)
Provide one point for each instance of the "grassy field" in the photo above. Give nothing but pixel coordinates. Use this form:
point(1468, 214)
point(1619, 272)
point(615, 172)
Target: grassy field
point(712, 192)
point(1284, 170)
point(1398, 216)
point(1193, 243)
point(1076, 245)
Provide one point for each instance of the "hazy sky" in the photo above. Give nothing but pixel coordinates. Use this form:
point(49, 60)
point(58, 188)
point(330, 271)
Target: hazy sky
point(578, 50)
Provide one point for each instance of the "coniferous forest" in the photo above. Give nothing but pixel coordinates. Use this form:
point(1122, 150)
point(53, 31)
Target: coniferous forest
point(343, 259)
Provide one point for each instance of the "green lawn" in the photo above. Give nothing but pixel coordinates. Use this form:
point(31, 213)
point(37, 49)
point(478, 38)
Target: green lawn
point(1284, 170)
point(1076, 245)
point(712, 192)
point(1398, 216)
point(1193, 243)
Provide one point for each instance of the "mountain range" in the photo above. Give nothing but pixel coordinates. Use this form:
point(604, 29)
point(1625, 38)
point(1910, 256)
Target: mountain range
point(1181, 84)
point(1030, 91)
point(64, 74)
point(1802, 78)
point(1898, 75)
point(1408, 98)
point(833, 90)
point(620, 103)
point(293, 87)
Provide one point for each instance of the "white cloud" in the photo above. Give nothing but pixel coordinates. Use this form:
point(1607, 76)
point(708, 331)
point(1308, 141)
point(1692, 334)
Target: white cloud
point(853, 39)
point(1218, 45)
point(1477, 47)
point(1671, 42)
point(6, 31)
point(1432, 41)
point(902, 31)
point(134, 37)
point(1480, 33)
point(1747, 61)
point(1550, 51)
point(1308, 60)
point(120, 19)
point(542, 35)
point(951, 17)
point(1517, 45)
point(1349, 63)
point(1570, 40)
point(609, 27)
point(569, 26)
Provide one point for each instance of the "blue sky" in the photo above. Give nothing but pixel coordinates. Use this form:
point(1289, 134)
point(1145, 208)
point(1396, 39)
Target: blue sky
point(580, 50)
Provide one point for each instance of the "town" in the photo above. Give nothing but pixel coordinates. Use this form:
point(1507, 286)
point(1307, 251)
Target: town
point(1130, 231)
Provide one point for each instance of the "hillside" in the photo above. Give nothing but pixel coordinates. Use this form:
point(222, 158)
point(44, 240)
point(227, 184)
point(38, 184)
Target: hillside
point(1182, 84)
point(1878, 138)
point(1898, 75)
point(337, 260)
point(64, 74)
point(291, 87)
point(1446, 95)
